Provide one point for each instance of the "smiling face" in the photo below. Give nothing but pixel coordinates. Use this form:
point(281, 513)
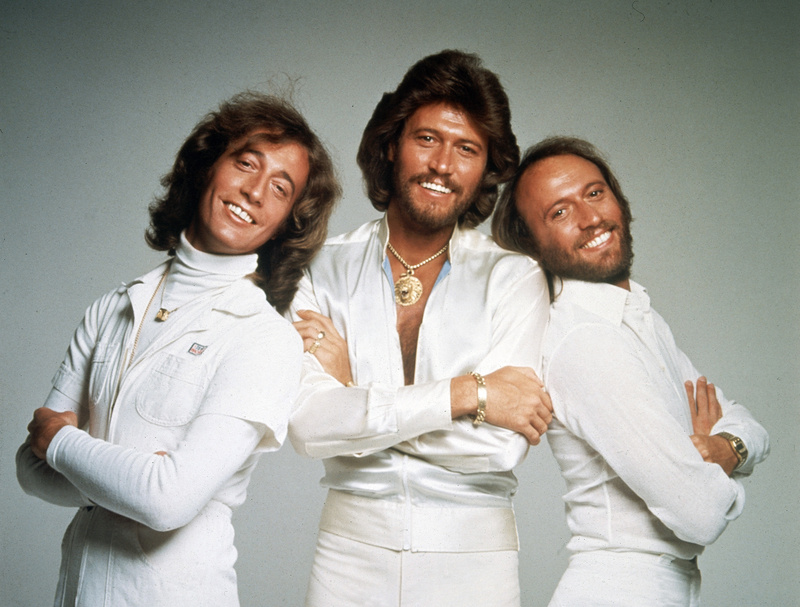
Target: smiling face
point(250, 192)
point(439, 162)
point(576, 220)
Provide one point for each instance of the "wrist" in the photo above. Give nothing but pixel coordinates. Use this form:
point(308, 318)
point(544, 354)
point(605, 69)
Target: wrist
point(480, 414)
point(463, 400)
point(737, 447)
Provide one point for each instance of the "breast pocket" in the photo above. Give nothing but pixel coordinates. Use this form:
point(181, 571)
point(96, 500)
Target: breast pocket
point(172, 391)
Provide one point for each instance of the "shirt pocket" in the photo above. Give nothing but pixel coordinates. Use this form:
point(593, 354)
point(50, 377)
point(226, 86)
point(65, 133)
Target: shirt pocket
point(171, 392)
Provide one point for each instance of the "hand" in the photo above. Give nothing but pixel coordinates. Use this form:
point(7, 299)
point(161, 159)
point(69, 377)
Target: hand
point(716, 450)
point(516, 399)
point(331, 350)
point(44, 426)
point(705, 409)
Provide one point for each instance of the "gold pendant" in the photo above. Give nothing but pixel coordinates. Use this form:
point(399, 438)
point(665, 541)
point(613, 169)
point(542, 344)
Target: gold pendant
point(407, 290)
point(162, 315)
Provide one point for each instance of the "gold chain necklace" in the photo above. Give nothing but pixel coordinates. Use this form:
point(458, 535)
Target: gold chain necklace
point(408, 288)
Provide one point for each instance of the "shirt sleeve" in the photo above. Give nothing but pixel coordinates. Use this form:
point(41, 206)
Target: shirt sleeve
point(37, 478)
point(34, 475)
point(518, 325)
point(602, 392)
point(330, 419)
point(163, 492)
point(257, 378)
point(736, 419)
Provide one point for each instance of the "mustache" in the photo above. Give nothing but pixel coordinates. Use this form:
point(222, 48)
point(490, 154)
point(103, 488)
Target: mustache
point(604, 226)
point(436, 178)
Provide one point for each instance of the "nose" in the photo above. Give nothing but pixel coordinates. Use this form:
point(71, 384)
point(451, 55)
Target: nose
point(441, 160)
point(253, 188)
point(588, 215)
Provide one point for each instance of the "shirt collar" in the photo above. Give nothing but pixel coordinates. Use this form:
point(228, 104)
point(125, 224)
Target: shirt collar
point(603, 299)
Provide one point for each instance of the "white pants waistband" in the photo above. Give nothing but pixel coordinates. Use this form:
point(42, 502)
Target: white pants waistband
point(403, 526)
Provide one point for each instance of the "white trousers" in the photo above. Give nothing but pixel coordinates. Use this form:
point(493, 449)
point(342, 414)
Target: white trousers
point(349, 573)
point(603, 578)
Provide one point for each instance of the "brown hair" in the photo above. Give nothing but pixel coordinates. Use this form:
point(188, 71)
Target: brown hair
point(282, 259)
point(452, 77)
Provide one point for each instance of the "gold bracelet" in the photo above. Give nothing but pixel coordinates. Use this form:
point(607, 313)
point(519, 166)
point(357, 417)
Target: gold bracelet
point(481, 415)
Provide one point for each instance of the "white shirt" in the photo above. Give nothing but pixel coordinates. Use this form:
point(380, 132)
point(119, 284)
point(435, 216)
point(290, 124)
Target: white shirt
point(212, 387)
point(621, 435)
point(398, 443)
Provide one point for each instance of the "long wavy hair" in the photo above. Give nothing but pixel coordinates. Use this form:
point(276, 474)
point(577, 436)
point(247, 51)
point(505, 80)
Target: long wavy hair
point(283, 258)
point(456, 78)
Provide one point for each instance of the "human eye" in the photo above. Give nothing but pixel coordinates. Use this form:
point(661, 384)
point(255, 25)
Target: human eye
point(246, 162)
point(558, 213)
point(281, 189)
point(597, 192)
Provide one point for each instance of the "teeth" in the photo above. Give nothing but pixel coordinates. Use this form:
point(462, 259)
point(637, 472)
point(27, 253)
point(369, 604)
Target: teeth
point(597, 241)
point(239, 212)
point(436, 187)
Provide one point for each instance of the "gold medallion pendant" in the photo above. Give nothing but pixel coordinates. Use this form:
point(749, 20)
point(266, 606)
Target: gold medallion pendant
point(407, 290)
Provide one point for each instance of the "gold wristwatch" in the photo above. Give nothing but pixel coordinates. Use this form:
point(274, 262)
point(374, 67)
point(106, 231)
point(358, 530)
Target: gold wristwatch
point(738, 447)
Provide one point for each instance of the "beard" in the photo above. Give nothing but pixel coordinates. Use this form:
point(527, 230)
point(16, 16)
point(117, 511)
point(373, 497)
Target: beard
point(434, 217)
point(613, 268)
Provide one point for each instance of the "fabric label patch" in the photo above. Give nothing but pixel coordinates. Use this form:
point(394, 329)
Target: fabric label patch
point(197, 349)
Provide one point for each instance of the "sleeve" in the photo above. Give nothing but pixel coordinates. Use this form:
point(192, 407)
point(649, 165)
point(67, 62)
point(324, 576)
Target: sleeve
point(258, 377)
point(37, 478)
point(330, 419)
point(603, 393)
point(736, 419)
point(69, 393)
point(518, 324)
point(163, 492)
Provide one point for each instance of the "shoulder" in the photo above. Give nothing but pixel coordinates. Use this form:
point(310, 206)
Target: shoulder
point(256, 324)
point(477, 252)
point(580, 343)
point(347, 248)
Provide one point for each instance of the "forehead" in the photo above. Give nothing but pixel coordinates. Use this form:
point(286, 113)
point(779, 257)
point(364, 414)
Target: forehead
point(267, 144)
point(446, 117)
point(555, 177)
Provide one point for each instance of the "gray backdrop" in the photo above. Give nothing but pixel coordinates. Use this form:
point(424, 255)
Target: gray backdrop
point(695, 102)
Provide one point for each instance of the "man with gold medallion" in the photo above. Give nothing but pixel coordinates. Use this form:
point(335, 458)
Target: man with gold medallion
point(419, 387)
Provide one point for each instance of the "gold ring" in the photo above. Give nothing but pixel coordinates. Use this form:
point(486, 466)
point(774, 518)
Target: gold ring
point(314, 347)
point(321, 335)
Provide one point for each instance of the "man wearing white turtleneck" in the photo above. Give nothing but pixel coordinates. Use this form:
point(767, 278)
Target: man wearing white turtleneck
point(174, 384)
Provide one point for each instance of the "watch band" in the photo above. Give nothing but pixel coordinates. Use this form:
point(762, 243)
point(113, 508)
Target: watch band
point(738, 447)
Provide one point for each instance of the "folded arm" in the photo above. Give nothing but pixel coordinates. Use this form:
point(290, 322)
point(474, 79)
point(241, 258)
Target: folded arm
point(427, 419)
point(165, 491)
point(605, 395)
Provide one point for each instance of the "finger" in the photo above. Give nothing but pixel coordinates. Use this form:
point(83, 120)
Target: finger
point(689, 386)
point(315, 318)
point(714, 408)
point(547, 402)
point(533, 436)
point(540, 425)
point(530, 374)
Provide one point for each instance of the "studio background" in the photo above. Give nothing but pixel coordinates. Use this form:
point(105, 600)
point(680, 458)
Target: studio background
point(694, 102)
